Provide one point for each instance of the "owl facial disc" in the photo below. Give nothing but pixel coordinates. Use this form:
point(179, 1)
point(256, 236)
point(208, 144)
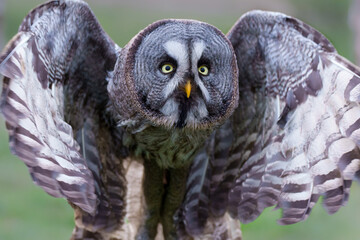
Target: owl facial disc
point(184, 73)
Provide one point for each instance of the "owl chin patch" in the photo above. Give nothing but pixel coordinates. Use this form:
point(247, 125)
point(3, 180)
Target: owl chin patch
point(184, 108)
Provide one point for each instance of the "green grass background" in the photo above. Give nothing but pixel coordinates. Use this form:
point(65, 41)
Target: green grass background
point(26, 212)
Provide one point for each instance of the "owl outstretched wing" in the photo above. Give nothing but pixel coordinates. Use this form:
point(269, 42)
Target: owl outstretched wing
point(54, 92)
point(297, 126)
point(295, 135)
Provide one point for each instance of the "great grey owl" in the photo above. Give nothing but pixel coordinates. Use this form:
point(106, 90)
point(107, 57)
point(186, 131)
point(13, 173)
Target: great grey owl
point(184, 130)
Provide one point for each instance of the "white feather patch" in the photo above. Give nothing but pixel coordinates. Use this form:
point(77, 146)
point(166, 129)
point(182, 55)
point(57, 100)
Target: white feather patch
point(179, 52)
point(198, 49)
point(203, 89)
point(170, 109)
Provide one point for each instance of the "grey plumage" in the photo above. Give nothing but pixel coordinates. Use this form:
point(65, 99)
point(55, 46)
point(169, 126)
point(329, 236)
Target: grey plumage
point(214, 124)
point(299, 156)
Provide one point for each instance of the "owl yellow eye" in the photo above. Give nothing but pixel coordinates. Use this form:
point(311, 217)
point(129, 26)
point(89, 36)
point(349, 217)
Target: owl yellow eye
point(167, 68)
point(203, 70)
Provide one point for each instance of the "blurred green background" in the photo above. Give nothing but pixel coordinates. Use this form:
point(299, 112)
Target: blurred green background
point(26, 212)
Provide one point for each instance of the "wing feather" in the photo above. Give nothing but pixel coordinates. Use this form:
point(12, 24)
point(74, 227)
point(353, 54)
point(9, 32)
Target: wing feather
point(53, 158)
point(196, 201)
point(296, 130)
point(55, 72)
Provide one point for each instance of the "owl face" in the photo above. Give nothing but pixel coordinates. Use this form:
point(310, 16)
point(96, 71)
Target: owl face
point(184, 73)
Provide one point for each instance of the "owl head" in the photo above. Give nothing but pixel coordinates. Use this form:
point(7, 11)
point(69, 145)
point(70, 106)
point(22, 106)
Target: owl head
point(176, 73)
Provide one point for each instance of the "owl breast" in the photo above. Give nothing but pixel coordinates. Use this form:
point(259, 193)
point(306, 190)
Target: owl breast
point(170, 148)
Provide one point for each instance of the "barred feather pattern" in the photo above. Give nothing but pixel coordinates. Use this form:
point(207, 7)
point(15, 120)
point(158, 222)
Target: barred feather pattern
point(109, 176)
point(53, 158)
point(238, 145)
point(222, 142)
point(55, 71)
point(305, 98)
point(196, 211)
point(135, 209)
point(204, 176)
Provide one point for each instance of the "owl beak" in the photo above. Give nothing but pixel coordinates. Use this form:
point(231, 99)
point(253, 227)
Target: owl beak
point(188, 88)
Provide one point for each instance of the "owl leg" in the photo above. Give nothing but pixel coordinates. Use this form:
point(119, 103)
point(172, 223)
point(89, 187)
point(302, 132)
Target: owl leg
point(175, 191)
point(153, 187)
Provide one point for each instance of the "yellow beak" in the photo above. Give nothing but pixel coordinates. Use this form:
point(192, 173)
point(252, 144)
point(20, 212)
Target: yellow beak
point(188, 88)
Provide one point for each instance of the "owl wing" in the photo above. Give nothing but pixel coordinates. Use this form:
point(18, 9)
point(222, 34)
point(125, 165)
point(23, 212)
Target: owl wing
point(295, 135)
point(54, 92)
point(296, 130)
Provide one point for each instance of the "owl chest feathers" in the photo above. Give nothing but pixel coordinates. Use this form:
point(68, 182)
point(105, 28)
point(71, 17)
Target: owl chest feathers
point(169, 148)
